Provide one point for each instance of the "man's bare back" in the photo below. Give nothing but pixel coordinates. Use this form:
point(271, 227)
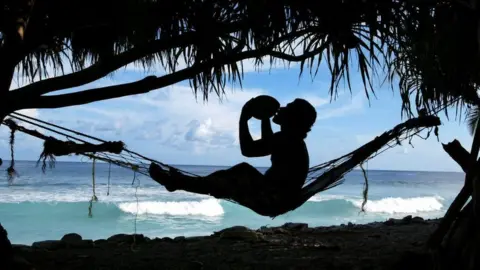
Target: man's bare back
point(290, 162)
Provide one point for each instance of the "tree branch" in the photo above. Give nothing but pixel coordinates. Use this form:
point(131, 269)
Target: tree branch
point(459, 154)
point(103, 68)
point(147, 84)
point(298, 58)
point(139, 87)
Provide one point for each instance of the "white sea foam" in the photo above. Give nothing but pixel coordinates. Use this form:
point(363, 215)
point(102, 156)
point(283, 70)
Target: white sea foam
point(19, 194)
point(157, 201)
point(208, 207)
point(402, 205)
point(323, 197)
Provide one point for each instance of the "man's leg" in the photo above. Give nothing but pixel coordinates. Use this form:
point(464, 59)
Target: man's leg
point(240, 178)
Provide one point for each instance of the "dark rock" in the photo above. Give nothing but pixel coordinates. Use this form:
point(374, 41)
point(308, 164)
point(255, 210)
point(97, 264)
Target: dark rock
point(71, 237)
point(418, 220)
point(375, 225)
point(195, 238)
point(264, 228)
point(418, 243)
point(179, 239)
point(407, 219)
point(6, 249)
point(100, 242)
point(308, 230)
point(20, 263)
point(120, 238)
point(373, 246)
point(239, 233)
point(49, 244)
point(81, 244)
point(390, 222)
point(403, 221)
point(281, 231)
point(232, 229)
point(295, 226)
point(127, 238)
point(413, 260)
point(273, 230)
point(139, 238)
point(21, 248)
point(167, 239)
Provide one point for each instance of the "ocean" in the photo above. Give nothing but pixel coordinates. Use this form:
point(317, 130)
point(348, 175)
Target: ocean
point(46, 206)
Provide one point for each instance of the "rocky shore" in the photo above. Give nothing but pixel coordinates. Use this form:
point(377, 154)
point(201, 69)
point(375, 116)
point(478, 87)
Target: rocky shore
point(393, 244)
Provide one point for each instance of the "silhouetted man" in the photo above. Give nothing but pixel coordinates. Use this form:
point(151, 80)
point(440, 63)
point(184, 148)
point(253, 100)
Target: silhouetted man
point(289, 157)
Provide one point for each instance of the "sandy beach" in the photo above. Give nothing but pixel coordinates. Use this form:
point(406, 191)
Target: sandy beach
point(393, 244)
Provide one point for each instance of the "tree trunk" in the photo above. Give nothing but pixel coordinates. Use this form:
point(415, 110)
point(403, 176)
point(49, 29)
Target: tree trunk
point(455, 238)
point(3, 112)
point(458, 246)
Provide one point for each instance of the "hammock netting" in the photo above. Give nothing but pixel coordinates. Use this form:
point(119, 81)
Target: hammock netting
point(321, 177)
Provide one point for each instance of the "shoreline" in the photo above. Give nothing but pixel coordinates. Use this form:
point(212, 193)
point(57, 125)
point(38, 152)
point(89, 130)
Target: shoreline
point(391, 244)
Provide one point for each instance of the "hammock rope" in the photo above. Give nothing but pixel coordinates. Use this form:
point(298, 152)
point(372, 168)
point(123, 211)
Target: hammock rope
point(109, 173)
point(321, 177)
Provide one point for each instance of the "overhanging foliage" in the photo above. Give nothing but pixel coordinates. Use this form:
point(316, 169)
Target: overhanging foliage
point(407, 39)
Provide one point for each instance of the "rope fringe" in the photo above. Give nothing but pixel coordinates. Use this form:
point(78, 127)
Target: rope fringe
point(135, 180)
point(365, 188)
point(94, 196)
point(109, 171)
point(11, 172)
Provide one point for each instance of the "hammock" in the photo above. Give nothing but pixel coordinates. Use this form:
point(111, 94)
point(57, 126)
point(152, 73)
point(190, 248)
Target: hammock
point(320, 178)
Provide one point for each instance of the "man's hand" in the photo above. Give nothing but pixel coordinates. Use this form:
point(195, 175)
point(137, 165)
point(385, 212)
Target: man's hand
point(246, 111)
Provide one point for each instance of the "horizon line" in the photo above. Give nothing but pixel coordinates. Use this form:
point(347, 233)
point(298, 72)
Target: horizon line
point(207, 165)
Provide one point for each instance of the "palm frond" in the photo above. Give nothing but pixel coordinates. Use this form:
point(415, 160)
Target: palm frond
point(427, 47)
point(473, 116)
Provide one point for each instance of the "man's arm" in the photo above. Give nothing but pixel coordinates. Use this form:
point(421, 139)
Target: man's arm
point(267, 132)
point(248, 146)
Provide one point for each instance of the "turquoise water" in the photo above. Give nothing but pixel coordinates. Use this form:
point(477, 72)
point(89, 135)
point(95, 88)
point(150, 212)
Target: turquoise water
point(41, 206)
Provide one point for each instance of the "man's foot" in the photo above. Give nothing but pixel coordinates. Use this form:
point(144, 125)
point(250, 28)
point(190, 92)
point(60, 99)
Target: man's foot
point(161, 176)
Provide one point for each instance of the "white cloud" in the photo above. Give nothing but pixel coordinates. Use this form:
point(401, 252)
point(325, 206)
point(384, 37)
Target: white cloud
point(5, 131)
point(403, 149)
point(211, 125)
point(342, 106)
point(30, 112)
point(171, 117)
point(316, 101)
point(364, 138)
point(356, 104)
point(22, 141)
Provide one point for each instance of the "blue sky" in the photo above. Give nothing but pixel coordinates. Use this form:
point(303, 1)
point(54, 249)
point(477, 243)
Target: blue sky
point(169, 124)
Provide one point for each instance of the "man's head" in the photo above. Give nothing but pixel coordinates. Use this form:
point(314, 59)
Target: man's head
point(297, 117)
